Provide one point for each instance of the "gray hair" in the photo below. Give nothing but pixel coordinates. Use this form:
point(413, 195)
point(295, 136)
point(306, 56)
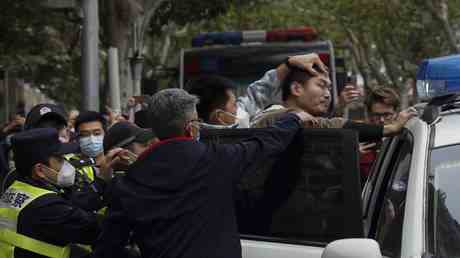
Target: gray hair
point(170, 110)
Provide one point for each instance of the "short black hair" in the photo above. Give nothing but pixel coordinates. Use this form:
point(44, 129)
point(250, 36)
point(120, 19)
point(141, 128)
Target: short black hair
point(295, 75)
point(212, 92)
point(90, 116)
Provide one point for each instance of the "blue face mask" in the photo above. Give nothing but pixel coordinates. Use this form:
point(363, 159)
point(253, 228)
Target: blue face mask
point(92, 146)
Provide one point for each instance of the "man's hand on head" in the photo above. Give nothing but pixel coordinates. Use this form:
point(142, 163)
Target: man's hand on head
point(309, 62)
point(110, 159)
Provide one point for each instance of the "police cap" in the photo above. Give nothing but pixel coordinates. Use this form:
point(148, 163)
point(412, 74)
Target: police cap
point(45, 111)
point(37, 146)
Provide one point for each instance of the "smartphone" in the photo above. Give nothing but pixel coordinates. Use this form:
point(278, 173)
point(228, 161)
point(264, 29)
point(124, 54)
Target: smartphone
point(352, 79)
point(79, 163)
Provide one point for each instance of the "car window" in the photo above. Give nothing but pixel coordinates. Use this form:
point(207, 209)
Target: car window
point(444, 201)
point(392, 204)
point(369, 187)
point(310, 194)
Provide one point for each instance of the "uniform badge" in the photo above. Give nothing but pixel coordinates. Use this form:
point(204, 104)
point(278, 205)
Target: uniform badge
point(44, 110)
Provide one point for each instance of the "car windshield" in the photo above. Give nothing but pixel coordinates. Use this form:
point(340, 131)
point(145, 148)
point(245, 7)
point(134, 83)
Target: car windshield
point(445, 200)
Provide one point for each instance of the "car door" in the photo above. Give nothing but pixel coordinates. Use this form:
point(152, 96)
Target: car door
point(386, 212)
point(294, 205)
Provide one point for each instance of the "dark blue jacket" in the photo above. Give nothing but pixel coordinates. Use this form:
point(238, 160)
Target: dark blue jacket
point(177, 200)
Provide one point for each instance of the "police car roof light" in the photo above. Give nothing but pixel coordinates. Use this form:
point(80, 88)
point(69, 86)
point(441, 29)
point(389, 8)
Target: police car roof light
point(300, 34)
point(438, 76)
point(218, 38)
point(239, 37)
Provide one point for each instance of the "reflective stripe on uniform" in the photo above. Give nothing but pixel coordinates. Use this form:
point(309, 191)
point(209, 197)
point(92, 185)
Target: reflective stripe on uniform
point(16, 198)
point(14, 239)
point(88, 171)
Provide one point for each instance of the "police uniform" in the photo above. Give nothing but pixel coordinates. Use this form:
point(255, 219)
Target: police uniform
point(36, 218)
point(88, 191)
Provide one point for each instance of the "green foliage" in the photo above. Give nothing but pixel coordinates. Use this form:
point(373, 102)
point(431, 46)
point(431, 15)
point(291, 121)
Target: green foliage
point(387, 38)
point(41, 45)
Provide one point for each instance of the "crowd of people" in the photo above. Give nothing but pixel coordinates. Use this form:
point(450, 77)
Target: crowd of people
point(108, 185)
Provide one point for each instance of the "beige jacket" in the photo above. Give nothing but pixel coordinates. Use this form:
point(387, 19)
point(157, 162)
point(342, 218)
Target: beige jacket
point(270, 116)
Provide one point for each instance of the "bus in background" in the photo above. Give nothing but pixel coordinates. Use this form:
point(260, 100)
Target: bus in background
point(245, 56)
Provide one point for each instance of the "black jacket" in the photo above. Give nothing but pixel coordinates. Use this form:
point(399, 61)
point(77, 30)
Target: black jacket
point(53, 219)
point(178, 201)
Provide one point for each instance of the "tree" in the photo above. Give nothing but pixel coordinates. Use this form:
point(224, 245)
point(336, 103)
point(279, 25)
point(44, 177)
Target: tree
point(41, 48)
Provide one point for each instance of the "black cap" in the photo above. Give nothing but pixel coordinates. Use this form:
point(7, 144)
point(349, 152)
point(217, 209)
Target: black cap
point(124, 133)
point(37, 145)
point(141, 119)
point(45, 111)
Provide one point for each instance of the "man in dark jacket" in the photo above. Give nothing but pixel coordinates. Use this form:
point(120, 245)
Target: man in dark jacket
point(177, 198)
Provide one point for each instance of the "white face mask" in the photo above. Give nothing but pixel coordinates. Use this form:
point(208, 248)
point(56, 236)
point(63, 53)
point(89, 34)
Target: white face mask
point(242, 118)
point(241, 121)
point(66, 175)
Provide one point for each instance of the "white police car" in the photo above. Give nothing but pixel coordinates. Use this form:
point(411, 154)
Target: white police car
point(409, 207)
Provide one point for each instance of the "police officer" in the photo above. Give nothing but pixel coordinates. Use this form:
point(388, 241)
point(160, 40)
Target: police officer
point(36, 218)
point(43, 115)
point(48, 116)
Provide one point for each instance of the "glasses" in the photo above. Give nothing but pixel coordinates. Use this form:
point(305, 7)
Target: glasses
point(385, 115)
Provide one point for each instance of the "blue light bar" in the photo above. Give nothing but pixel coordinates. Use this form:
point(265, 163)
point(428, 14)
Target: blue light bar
point(218, 38)
point(237, 37)
point(438, 76)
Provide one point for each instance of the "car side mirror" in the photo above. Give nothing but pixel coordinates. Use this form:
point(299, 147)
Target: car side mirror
point(352, 248)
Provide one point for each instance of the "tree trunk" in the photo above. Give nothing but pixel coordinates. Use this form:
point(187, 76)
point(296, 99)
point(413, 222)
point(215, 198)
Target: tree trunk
point(356, 52)
point(122, 16)
point(439, 11)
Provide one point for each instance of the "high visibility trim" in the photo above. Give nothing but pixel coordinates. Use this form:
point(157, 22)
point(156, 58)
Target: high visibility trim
point(33, 245)
point(9, 214)
point(16, 198)
point(36, 191)
point(8, 223)
point(102, 211)
point(87, 171)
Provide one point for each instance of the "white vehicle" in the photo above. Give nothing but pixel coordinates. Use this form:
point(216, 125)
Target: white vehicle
point(410, 204)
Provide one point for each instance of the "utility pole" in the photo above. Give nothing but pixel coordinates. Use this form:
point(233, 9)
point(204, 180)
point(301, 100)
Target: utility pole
point(137, 61)
point(113, 57)
point(90, 55)
point(4, 78)
point(114, 80)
